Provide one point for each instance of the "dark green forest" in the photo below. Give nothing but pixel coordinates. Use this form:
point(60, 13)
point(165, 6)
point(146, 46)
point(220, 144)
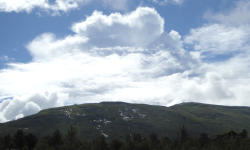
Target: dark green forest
point(182, 141)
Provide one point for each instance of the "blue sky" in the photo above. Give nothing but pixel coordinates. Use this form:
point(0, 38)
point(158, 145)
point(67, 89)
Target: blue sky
point(159, 52)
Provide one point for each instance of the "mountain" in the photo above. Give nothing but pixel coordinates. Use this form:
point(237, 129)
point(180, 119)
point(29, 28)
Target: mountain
point(117, 119)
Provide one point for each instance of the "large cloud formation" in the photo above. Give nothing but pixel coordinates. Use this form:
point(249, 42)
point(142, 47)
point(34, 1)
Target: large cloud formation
point(131, 58)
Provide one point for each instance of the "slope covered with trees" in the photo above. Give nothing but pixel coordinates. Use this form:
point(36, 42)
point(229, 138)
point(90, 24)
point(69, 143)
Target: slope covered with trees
point(117, 119)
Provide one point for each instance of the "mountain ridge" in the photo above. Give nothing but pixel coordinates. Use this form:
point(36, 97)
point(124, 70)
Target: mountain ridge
point(116, 119)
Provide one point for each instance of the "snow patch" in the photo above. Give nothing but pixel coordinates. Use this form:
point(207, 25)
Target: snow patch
point(141, 115)
point(105, 135)
point(106, 121)
point(98, 120)
point(135, 110)
point(68, 114)
point(126, 118)
point(121, 113)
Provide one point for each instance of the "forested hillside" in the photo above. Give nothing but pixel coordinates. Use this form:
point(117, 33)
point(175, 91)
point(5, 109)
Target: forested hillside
point(117, 119)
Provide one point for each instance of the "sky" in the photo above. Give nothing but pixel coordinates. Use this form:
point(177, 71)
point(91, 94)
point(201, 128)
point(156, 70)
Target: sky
point(159, 52)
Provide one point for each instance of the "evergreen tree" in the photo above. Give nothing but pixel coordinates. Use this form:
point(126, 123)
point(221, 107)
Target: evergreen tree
point(116, 144)
point(220, 143)
point(129, 142)
point(184, 134)
point(165, 141)
point(71, 135)
point(86, 146)
point(12, 145)
point(31, 141)
point(56, 139)
point(137, 137)
point(144, 145)
point(128, 138)
point(101, 144)
point(6, 141)
point(19, 139)
point(203, 140)
point(154, 140)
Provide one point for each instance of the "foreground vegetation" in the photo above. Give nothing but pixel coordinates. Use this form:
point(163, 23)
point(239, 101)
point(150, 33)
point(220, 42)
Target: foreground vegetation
point(182, 141)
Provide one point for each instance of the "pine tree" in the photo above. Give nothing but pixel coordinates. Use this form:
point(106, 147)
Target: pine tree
point(56, 139)
point(116, 144)
point(203, 140)
point(31, 140)
point(6, 141)
point(101, 144)
point(154, 140)
point(184, 134)
point(71, 135)
point(19, 139)
point(137, 137)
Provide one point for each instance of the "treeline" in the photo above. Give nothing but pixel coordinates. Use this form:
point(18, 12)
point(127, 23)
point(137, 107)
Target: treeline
point(69, 141)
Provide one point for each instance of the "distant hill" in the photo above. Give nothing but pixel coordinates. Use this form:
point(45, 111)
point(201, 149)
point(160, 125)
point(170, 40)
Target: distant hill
point(116, 119)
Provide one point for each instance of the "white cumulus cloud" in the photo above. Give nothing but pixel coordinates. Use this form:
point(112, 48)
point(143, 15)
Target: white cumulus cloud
point(137, 28)
point(219, 38)
point(30, 104)
point(47, 45)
